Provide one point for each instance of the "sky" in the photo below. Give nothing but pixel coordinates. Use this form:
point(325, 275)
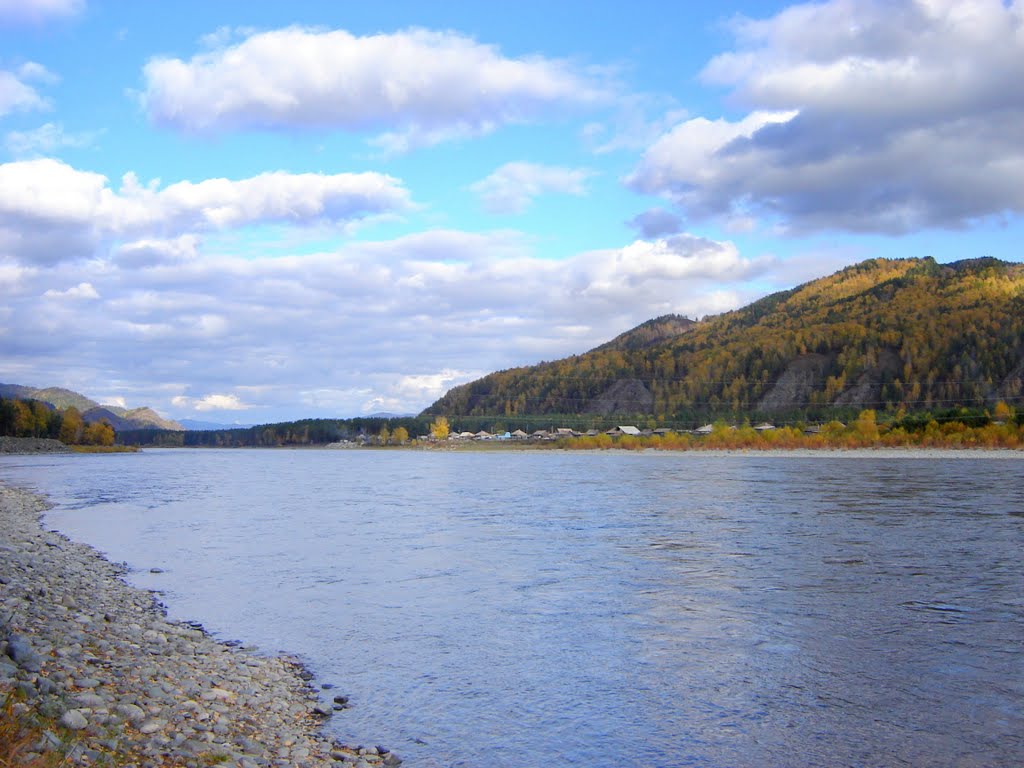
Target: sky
point(249, 212)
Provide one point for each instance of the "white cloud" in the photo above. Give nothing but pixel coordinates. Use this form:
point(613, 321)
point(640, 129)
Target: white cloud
point(630, 128)
point(867, 116)
point(210, 403)
point(16, 93)
point(148, 252)
point(372, 326)
point(50, 211)
point(47, 139)
point(80, 291)
point(416, 86)
point(37, 11)
point(514, 186)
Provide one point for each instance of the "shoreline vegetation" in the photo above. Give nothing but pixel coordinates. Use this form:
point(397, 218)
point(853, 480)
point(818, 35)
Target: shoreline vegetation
point(864, 433)
point(92, 672)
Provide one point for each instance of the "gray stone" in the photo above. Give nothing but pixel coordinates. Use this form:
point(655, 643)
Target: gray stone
point(74, 720)
point(131, 712)
point(90, 700)
point(21, 653)
point(51, 706)
point(52, 739)
point(152, 726)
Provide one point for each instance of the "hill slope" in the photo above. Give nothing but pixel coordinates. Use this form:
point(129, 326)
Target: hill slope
point(120, 418)
point(880, 334)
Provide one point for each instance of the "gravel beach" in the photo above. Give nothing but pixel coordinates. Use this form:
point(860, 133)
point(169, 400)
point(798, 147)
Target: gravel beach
point(100, 657)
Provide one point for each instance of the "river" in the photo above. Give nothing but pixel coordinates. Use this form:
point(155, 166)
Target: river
point(532, 609)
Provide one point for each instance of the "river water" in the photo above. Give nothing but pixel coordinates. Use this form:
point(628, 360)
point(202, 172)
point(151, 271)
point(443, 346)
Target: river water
point(532, 609)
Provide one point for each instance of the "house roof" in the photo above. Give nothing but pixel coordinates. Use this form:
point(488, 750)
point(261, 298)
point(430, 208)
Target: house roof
point(627, 430)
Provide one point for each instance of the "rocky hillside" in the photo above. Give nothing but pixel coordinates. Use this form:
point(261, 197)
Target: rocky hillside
point(881, 334)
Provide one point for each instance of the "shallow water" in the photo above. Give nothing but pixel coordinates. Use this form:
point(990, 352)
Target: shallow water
point(529, 609)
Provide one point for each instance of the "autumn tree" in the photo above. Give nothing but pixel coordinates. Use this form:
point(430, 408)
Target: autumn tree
point(72, 426)
point(439, 428)
point(384, 435)
point(98, 433)
point(1002, 412)
point(400, 435)
point(23, 420)
point(866, 426)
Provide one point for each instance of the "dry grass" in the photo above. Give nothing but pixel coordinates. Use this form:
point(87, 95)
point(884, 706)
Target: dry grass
point(20, 733)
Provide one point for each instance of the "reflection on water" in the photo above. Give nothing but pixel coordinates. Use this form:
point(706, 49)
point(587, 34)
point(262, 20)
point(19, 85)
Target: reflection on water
point(597, 609)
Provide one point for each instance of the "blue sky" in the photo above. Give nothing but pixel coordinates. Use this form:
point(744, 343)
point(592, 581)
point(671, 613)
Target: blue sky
point(254, 212)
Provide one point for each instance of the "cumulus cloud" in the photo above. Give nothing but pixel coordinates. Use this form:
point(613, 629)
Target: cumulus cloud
point(50, 211)
point(47, 139)
point(372, 326)
point(149, 252)
point(210, 403)
point(416, 87)
point(14, 12)
point(867, 116)
point(17, 94)
point(80, 291)
point(514, 186)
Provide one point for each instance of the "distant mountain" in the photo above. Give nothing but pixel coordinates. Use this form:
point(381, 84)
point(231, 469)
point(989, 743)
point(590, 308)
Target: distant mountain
point(884, 334)
point(121, 419)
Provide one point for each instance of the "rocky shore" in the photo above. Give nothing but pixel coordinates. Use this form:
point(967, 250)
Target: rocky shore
point(122, 685)
point(31, 445)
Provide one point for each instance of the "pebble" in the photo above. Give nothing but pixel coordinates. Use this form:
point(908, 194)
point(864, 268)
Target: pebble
point(101, 657)
point(74, 720)
point(152, 726)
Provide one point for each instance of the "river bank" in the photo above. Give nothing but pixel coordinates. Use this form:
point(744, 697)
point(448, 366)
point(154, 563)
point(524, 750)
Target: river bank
point(30, 445)
point(120, 684)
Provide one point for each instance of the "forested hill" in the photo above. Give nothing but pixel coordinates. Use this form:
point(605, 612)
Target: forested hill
point(119, 418)
point(881, 334)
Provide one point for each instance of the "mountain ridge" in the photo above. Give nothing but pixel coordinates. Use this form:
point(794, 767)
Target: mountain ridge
point(883, 333)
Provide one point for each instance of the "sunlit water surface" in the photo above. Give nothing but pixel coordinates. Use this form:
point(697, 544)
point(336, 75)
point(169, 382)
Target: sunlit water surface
point(535, 609)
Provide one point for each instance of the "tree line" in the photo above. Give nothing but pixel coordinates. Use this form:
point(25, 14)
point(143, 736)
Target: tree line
point(304, 432)
point(33, 418)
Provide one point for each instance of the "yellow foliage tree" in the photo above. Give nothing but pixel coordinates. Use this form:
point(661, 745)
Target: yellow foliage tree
point(72, 426)
point(866, 426)
point(98, 433)
point(400, 435)
point(439, 428)
point(1002, 412)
